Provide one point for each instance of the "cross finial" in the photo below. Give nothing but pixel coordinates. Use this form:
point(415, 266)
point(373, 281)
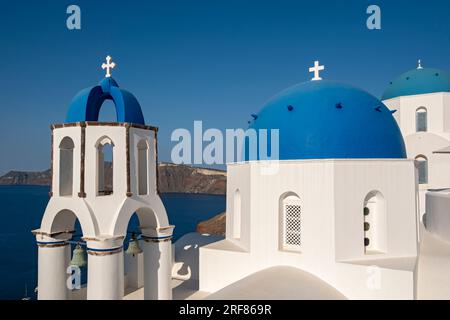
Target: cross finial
point(419, 64)
point(316, 69)
point(109, 65)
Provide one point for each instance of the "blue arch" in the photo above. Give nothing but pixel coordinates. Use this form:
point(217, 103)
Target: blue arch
point(86, 105)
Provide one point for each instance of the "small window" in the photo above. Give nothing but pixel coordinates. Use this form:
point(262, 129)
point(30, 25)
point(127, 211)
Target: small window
point(422, 168)
point(375, 223)
point(291, 215)
point(105, 167)
point(142, 167)
point(421, 119)
point(66, 167)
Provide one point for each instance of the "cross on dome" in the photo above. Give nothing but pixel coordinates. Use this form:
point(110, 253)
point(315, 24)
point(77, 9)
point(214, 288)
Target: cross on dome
point(109, 65)
point(316, 69)
point(419, 64)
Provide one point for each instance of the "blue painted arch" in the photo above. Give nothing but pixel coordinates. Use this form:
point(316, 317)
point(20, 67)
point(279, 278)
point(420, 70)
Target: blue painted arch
point(86, 105)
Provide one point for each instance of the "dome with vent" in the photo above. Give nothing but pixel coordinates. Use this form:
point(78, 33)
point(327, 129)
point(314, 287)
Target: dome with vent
point(85, 106)
point(329, 120)
point(418, 81)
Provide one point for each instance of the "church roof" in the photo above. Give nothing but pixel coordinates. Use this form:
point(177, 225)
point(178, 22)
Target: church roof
point(85, 106)
point(329, 120)
point(418, 81)
point(277, 283)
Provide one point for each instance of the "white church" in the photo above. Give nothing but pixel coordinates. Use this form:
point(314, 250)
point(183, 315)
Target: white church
point(355, 207)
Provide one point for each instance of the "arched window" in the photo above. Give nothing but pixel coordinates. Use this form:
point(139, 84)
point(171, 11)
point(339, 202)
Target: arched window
point(421, 119)
point(237, 216)
point(142, 167)
point(291, 222)
point(66, 167)
point(422, 168)
point(105, 166)
point(375, 223)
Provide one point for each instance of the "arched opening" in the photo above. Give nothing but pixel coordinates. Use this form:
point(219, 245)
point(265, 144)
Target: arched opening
point(237, 216)
point(375, 223)
point(107, 112)
point(66, 224)
point(142, 167)
point(290, 221)
point(105, 167)
point(421, 120)
point(422, 168)
point(148, 257)
point(133, 256)
point(66, 167)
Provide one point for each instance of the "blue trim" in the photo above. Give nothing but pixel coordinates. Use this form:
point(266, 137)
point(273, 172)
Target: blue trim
point(49, 242)
point(104, 250)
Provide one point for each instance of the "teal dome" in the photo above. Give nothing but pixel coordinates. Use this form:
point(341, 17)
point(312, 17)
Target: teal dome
point(328, 120)
point(418, 81)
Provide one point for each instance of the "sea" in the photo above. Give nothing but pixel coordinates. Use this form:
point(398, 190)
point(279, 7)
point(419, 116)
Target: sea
point(21, 211)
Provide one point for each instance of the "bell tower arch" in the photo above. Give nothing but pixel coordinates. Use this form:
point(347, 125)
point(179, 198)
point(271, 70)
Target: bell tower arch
point(103, 193)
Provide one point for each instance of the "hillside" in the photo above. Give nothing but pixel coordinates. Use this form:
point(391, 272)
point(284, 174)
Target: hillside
point(172, 178)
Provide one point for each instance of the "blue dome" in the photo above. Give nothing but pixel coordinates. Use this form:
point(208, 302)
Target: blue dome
point(329, 120)
point(418, 81)
point(85, 106)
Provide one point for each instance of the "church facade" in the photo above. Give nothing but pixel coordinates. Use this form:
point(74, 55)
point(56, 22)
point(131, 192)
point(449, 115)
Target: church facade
point(340, 200)
point(421, 99)
point(337, 214)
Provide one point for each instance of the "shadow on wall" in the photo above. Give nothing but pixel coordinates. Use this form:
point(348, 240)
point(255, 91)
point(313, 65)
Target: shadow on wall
point(186, 266)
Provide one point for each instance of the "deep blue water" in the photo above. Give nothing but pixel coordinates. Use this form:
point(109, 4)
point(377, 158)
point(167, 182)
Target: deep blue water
point(21, 211)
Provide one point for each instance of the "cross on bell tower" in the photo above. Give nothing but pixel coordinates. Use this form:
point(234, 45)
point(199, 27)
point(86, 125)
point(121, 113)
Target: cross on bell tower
point(109, 65)
point(316, 69)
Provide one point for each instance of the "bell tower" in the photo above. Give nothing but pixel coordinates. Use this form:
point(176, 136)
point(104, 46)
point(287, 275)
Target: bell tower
point(103, 173)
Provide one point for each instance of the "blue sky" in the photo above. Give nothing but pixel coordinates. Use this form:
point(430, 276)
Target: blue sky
point(216, 61)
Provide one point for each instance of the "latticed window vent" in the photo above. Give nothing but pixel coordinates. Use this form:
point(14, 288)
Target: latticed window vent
point(292, 225)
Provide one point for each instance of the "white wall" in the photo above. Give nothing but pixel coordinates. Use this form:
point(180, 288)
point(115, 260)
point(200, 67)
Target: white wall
point(100, 214)
point(438, 214)
point(395, 180)
point(137, 135)
point(407, 106)
point(426, 143)
point(243, 185)
point(73, 133)
point(332, 198)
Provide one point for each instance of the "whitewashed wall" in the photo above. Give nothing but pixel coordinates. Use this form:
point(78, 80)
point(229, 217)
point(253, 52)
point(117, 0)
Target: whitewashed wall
point(332, 196)
point(438, 214)
point(105, 214)
point(426, 143)
point(438, 116)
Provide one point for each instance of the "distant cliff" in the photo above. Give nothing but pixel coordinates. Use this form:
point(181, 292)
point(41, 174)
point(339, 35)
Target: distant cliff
point(215, 226)
point(187, 179)
point(42, 178)
point(172, 178)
